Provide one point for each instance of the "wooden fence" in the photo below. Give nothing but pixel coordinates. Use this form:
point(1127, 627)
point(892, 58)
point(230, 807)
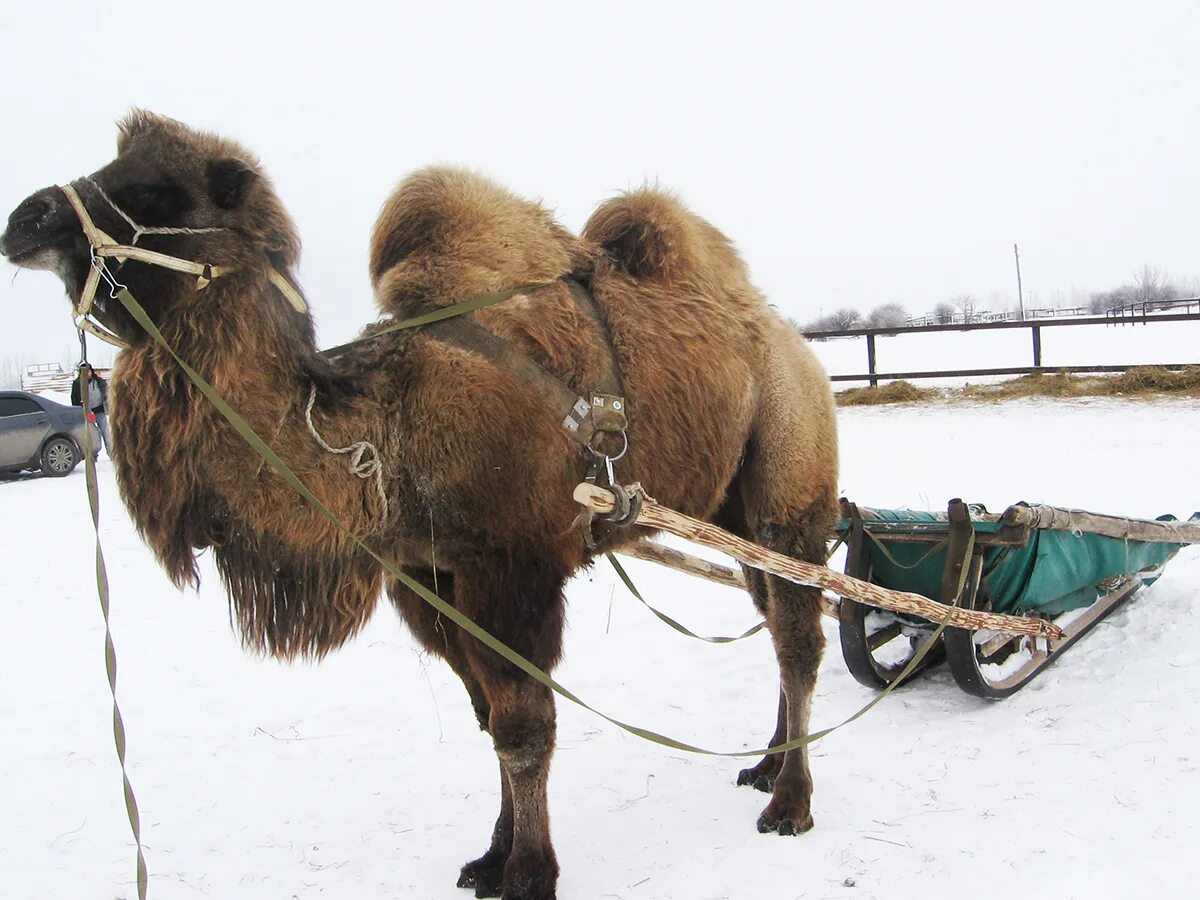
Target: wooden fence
point(873, 376)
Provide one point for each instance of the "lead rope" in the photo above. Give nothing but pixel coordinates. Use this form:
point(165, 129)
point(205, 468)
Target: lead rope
point(110, 652)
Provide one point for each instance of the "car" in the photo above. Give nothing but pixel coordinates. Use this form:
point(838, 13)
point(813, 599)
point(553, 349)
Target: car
point(39, 434)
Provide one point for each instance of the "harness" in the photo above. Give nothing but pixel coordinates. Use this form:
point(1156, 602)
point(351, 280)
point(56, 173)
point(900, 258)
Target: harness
point(103, 246)
point(588, 421)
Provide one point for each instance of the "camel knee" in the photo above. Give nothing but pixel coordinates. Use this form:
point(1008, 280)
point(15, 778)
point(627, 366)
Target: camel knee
point(523, 742)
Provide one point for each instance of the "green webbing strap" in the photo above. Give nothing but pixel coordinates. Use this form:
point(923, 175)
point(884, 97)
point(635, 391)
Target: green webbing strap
point(110, 652)
point(887, 554)
point(682, 629)
point(448, 312)
point(463, 622)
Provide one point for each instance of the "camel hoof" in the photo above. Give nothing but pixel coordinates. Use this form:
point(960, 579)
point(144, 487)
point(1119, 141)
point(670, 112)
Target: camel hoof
point(530, 878)
point(757, 778)
point(485, 875)
point(784, 825)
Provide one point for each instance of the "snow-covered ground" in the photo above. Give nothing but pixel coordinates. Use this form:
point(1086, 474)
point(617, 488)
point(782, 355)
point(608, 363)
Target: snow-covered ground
point(365, 777)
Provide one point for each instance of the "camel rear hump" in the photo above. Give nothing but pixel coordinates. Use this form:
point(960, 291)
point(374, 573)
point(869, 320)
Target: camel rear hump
point(652, 235)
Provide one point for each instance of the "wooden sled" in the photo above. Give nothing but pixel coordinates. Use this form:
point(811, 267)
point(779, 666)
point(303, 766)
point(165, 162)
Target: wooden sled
point(1099, 562)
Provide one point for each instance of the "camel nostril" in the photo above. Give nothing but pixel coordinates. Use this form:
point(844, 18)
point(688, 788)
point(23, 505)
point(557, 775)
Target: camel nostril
point(31, 212)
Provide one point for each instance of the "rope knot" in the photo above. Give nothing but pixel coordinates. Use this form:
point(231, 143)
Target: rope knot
point(365, 461)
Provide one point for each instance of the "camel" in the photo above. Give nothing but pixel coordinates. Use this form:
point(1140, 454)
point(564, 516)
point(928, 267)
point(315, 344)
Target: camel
point(730, 419)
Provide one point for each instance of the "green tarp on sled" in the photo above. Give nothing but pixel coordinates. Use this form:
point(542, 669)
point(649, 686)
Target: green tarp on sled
point(1054, 572)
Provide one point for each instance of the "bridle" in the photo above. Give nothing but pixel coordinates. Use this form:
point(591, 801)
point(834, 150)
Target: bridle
point(103, 247)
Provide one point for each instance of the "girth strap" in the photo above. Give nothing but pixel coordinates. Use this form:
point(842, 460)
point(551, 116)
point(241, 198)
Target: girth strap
point(585, 419)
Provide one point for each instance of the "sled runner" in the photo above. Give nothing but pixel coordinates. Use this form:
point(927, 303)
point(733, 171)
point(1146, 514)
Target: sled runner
point(1066, 566)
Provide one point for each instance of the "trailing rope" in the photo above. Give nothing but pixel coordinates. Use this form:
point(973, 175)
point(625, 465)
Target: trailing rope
point(110, 652)
point(450, 612)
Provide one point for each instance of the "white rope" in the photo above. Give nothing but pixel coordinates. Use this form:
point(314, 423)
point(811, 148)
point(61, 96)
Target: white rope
point(361, 464)
point(139, 230)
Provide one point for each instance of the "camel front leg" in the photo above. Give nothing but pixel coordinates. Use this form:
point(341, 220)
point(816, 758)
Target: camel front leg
point(523, 731)
point(520, 602)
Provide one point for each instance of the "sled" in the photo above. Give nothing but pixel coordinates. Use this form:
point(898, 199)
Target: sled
point(1013, 592)
point(1069, 567)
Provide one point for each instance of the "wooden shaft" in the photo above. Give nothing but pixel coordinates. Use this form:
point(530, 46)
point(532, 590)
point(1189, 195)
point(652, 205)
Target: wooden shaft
point(652, 515)
point(1052, 517)
point(685, 562)
point(651, 551)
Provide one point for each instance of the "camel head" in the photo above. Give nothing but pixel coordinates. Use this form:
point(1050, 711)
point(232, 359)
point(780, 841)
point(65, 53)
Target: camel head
point(165, 176)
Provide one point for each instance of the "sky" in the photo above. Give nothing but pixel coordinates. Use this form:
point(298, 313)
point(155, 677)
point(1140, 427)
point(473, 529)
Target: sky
point(856, 153)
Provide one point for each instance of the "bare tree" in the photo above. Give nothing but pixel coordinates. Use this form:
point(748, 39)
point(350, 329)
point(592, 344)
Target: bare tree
point(888, 315)
point(846, 318)
point(967, 305)
point(1151, 284)
point(841, 320)
point(943, 313)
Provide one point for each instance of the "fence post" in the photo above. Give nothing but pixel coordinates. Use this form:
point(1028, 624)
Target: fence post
point(1037, 346)
point(871, 360)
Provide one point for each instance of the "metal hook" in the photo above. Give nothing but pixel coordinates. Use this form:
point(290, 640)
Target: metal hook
point(113, 285)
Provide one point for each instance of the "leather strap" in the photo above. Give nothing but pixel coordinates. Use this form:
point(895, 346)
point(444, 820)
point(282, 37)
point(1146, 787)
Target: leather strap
point(573, 412)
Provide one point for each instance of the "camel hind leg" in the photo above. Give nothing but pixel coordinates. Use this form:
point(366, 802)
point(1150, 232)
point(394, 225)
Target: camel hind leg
point(761, 777)
point(787, 490)
point(794, 620)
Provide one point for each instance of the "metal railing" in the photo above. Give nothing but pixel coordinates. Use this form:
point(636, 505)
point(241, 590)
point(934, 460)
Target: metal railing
point(1145, 309)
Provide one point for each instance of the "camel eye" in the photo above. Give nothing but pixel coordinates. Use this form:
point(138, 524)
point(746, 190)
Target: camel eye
point(154, 204)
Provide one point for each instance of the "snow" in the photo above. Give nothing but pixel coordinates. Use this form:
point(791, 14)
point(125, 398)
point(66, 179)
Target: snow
point(366, 777)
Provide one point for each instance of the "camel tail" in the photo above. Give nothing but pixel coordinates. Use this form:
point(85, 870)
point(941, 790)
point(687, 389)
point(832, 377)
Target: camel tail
point(651, 235)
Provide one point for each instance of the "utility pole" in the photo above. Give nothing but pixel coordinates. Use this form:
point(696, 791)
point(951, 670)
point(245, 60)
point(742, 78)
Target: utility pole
point(1020, 295)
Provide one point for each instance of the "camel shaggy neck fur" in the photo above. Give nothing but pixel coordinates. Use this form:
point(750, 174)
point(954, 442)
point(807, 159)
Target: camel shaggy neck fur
point(730, 420)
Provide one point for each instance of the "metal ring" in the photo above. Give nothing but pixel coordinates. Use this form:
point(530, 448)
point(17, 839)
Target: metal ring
point(624, 449)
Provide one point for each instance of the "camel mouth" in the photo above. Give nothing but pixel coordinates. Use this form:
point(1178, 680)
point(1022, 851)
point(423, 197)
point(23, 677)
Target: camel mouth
point(35, 254)
point(38, 235)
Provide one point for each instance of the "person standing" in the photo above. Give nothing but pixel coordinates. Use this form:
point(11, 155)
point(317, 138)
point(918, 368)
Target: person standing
point(98, 395)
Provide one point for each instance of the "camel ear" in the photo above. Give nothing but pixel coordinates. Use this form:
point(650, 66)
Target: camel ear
point(228, 182)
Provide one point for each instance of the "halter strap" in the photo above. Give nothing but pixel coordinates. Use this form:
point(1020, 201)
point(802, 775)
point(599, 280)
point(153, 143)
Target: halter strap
point(104, 246)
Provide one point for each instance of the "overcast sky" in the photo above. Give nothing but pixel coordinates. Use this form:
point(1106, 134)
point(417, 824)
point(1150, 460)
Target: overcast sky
point(856, 153)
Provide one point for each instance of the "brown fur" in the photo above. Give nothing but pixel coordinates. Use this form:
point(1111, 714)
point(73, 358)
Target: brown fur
point(731, 419)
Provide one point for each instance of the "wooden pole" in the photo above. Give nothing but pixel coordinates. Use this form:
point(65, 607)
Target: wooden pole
point(1052, 517)
point(1020, 293)
point(651, 551)
point(684, 562)
point(652, 515)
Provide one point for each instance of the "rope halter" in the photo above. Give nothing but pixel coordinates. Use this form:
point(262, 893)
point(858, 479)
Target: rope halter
point(103, 247)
